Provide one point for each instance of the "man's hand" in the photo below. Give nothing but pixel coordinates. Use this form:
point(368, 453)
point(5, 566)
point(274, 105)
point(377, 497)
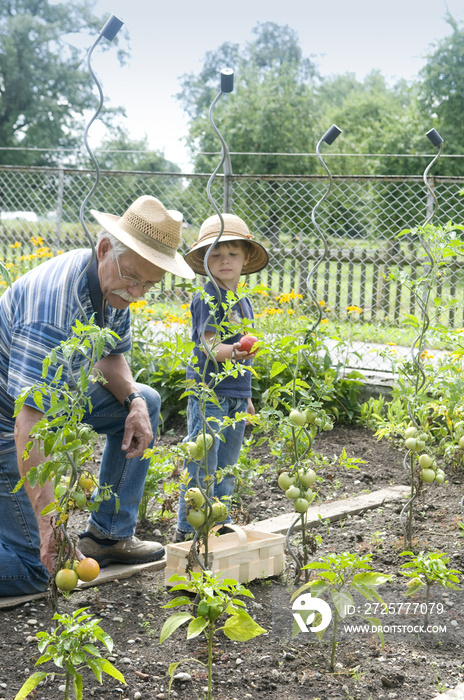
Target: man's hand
point(137, 433)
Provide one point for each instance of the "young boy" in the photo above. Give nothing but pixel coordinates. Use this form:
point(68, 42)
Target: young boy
point(236, 254)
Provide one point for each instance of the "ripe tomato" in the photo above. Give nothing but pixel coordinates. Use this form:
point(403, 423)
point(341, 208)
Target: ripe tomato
point(66, 579)
point(87, 569)
point(247, 342)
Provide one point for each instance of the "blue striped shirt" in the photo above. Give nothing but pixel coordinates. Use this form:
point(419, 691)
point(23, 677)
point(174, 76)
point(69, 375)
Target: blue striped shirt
point(36, 314)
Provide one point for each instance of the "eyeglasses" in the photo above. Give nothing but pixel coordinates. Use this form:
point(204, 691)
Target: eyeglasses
point(131, 282)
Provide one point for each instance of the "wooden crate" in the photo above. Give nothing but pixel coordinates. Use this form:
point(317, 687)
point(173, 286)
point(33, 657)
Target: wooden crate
point(242, 555)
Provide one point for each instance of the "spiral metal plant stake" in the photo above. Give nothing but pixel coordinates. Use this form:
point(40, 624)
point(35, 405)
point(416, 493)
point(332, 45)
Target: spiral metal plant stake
point(227, 85)
point(417, 345)
point(109, 31)
point(328, 138)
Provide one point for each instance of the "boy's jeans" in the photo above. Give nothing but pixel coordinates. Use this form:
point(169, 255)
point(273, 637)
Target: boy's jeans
point(222, 454)
point(21, 571)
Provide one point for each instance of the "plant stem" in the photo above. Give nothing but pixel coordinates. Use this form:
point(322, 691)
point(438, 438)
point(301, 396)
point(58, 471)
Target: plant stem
point(68, 682)
point(210, 660)
point(334, 641)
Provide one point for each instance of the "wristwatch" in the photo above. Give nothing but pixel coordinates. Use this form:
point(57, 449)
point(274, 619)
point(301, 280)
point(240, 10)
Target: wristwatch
point(131, 397)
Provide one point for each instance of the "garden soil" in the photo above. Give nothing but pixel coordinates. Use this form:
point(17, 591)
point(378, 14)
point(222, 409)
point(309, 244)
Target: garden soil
point(411, 665)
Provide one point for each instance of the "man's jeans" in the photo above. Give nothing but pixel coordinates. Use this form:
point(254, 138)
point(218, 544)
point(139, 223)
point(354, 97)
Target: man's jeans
point(21, 571)
point(222, 454)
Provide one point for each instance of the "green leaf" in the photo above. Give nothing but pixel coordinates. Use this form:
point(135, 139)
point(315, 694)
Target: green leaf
point(196, 627)
point(31, 683)
point(277, 368)
point(180, 600)
point(38, 400)
point(341, 600)
point(241, 627)
point(371, 578)
point(78, 686)
point(172, 623)
point(94, 664)
point(108, 668)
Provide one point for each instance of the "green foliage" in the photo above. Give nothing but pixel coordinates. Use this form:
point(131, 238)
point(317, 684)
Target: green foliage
point(65, 443)
point(442, 91)
point(45, 84)
point(340, 575)
point(217, 600)
point(428, 569)
point(71, 646)
point(157, 485)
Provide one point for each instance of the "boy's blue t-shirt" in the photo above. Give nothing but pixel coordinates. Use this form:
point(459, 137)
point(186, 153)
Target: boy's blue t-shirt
point(240, 386)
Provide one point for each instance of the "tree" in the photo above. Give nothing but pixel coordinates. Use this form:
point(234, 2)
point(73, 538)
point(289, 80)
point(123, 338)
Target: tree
point(271, 109)
point(44, 84)
point(442, 93)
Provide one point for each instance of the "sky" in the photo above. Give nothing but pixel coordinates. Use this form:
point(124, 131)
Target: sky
point(169, 39)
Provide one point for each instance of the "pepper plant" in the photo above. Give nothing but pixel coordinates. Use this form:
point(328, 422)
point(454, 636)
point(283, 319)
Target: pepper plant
point(71, 646)
point(428, 569)
point(341, 575)
point(216, 600)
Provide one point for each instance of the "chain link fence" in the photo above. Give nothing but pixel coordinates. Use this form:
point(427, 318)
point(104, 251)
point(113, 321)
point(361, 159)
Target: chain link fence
point(360, 220)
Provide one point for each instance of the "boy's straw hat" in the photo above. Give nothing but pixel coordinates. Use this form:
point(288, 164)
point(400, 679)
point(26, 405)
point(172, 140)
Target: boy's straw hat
point(151, 231)
point(235, 229)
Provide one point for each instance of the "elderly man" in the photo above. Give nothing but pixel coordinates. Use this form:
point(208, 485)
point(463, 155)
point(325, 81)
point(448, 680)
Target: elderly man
point(37, 313)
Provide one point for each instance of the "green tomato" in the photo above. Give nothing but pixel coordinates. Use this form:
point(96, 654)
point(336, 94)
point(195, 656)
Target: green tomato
point(310, 416)
point(308, 477)
point(286, 480)
point(219, 511)
point(427, 475)
point(79, 499)
point(196, 496)
point(195, 451)
point(297, 417)
point(196, 518)
point(328, 425)
point(420, 444)
point(319, 421)
point(292, 492)
point(411, 443)
point(439, 478)
point(410, 432)
point(425, 461)
point(301, 505)
point(205, 442)
point(461, 442)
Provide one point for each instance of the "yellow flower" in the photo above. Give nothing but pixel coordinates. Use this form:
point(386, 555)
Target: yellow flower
point(37, 241)
point(350, 309)
point(388, 343)
point(290, 311)
point(16, 244)
point(426, 355)
point(324, 320)
point(138, 305)
point(321, 303)
point(285, 298)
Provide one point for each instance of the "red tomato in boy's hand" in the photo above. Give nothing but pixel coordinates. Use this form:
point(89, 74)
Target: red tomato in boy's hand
point(247, 342)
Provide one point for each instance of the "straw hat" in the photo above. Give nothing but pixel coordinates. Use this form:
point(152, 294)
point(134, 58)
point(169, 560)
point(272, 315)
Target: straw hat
point(235, 229)
point(151, 231)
